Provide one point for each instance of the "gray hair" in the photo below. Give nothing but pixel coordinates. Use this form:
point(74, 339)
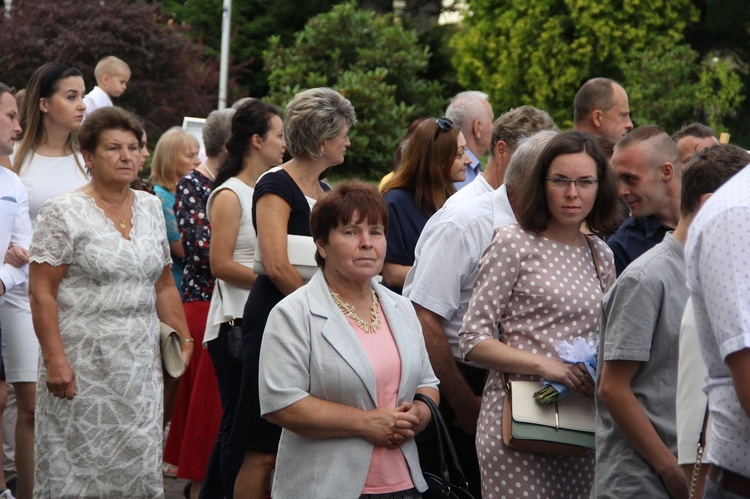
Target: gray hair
point(241, 101)
point(314, 116)
point(216, 131)
point(526, 155)
point(465, 107)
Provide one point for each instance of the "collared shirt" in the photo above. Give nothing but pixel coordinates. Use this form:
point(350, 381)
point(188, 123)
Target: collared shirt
point(635, 237)
point(448, 254)
point(718, 276)
point(15, 226)
point(479, 187)
point(472, 171)
point(640, 322)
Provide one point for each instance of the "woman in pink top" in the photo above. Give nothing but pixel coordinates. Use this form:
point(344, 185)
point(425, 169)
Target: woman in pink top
point(341, 361)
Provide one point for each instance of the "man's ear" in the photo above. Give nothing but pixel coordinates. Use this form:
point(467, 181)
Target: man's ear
point(476, 128)
point(597, 117)
point(704, 198)
point(500, 149)
point(666, 172)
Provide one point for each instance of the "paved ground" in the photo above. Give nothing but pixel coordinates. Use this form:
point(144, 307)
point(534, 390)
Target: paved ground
point(173, 488)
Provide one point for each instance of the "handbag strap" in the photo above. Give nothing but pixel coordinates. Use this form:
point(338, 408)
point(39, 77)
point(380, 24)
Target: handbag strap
point(445, 442)
point(596, 260)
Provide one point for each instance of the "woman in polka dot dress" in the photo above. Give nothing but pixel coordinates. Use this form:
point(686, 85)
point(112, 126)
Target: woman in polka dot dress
point(537, 284)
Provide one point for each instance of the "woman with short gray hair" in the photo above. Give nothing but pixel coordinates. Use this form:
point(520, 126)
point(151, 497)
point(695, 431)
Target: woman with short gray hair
point(316, 126)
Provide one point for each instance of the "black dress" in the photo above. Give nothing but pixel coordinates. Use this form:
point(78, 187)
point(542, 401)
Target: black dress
point(250, 431)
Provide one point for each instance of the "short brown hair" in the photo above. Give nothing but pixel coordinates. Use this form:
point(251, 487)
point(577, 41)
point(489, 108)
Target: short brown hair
point(708, 169)
point(597, 93)
point(694, 130)
point(338, 208)
point(519, 123)
point(426, 165)
point(107, 118)
point(535, 213)
point(661, 148)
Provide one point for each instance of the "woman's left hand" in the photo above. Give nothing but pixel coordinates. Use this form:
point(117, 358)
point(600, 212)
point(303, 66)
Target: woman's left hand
point(187, 352)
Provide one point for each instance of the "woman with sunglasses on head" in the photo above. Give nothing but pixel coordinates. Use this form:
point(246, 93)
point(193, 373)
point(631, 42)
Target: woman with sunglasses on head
point(434, 158)
point(538, 284)
point(49, 163)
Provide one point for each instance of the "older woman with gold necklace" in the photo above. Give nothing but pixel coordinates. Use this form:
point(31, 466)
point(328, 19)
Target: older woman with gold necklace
point(99, 278)
point(341, 361)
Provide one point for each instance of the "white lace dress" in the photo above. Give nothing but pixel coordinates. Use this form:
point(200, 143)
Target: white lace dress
point(107, 441)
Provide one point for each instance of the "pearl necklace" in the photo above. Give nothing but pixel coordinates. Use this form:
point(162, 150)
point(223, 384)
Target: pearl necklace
point(348, 310)
point(210, 173)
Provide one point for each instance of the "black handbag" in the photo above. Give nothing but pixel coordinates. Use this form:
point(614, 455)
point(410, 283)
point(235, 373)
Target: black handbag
point(443, 487)
point(234, 336)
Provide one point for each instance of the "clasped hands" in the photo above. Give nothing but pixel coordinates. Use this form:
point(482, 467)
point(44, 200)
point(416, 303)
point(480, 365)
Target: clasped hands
point(392, 426)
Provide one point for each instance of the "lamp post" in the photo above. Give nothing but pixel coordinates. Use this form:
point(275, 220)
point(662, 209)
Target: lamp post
point(226, 17)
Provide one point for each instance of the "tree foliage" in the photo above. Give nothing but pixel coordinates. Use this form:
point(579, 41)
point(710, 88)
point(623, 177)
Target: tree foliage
point(170, 77)
point(253, 23)
point(674, 87)
point(539, 52)
point(375, 63)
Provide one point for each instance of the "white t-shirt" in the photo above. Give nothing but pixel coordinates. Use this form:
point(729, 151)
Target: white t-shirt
point(95, 99)
point(46, 178)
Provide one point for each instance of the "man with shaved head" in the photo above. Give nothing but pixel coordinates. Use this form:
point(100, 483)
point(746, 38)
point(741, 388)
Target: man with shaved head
point(647, 165)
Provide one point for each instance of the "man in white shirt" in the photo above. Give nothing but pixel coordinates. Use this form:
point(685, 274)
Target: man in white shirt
point(440, 285)
point(15, 227)
point(472, 113)
point(717, 254)
point(507, 131)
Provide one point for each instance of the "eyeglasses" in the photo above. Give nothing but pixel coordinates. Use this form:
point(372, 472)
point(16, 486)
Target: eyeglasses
point(443, 125)
point(564, 183)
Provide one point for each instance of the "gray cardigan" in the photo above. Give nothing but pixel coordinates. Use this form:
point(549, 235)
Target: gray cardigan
point(308, 349)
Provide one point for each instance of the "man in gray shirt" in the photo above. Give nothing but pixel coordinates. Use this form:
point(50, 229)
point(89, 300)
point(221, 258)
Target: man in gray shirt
point(636, 436)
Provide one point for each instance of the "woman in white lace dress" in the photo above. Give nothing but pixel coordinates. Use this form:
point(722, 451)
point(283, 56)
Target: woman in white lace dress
point(100, 274)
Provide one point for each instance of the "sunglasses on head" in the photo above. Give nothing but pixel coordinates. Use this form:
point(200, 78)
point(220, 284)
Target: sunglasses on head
point(443, 125)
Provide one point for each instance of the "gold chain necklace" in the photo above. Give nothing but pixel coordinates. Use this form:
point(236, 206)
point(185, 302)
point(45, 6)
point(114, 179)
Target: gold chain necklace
point(122, 222)
point(348, 310)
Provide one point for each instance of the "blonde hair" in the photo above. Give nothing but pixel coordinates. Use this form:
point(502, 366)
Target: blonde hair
point(109, 65)
point(166, 155)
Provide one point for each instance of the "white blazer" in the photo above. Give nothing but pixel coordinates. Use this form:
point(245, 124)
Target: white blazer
point(308, 349)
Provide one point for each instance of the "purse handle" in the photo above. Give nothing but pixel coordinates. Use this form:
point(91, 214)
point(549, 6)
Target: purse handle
point(596, 259)
point(445, 442)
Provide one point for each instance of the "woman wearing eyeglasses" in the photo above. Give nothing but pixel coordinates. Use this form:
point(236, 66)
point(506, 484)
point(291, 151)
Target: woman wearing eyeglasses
point(537, 285)
point(435, 157)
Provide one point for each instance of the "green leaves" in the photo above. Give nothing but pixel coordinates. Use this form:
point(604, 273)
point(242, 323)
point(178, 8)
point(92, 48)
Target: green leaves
point(539, 52)
point(372, 60)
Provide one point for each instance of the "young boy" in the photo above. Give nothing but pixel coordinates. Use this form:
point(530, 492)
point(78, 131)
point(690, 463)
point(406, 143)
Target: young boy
point(112, 76)
point(636, 437)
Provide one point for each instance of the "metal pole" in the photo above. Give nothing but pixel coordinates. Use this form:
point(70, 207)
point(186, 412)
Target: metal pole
point(226, 18)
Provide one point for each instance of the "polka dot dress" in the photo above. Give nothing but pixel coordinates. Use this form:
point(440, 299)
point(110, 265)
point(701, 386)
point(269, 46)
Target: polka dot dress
point(538, 291)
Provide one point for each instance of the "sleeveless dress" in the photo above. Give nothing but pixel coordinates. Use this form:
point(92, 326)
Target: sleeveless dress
point(537, 291)
point(250, 431)
point(106, 442)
